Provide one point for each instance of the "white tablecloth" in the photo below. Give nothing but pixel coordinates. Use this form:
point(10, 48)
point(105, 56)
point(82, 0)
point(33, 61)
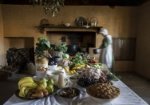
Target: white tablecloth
point(126, 97)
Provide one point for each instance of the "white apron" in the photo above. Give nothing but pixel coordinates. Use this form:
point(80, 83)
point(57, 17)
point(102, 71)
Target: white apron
point(107, 51)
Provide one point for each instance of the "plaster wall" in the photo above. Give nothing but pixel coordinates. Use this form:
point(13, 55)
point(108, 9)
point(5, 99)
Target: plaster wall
point(20, 21)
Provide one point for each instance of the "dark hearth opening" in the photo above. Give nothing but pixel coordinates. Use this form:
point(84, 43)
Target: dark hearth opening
point(76, 41)
point(19, 58)
point(20, 53)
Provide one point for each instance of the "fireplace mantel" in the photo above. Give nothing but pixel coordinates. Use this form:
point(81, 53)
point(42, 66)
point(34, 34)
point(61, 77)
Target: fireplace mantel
point(45, 29)
point(55, 33)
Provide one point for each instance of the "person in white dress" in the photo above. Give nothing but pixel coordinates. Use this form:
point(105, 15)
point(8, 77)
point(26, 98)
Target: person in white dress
point(106, 56)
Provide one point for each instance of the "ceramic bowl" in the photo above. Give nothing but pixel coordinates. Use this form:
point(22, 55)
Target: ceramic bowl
point(96, 51)
point(41, 74)
point(68, 92)
point(67, 24)
point(99, 100)
point(52, 67)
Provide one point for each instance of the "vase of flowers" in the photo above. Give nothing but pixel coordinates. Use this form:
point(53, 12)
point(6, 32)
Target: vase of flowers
point(41, 52)
point(60, 49)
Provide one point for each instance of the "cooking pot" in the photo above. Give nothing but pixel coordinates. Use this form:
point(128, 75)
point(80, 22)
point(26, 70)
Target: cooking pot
point(73, 49)
point(96, 51)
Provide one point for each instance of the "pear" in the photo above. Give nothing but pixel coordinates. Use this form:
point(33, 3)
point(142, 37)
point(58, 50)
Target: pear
point(43, 83)
point(50, 82)
point(50, 88)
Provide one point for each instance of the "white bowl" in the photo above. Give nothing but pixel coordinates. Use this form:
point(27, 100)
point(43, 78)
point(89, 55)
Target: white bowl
point(62, 89)
point(66, 100)
point(52, 67)
point(67, 24)
point(40, 74)
point(86, 26)
point(100, 100)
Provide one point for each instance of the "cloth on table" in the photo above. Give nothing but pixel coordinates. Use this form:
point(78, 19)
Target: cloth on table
point(126, 97)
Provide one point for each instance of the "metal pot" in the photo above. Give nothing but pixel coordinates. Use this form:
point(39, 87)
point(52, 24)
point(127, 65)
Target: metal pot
point(73, 49)
point(96, 51)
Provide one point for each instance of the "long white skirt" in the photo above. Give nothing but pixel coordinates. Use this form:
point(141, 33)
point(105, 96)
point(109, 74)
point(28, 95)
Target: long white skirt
point(107, 56)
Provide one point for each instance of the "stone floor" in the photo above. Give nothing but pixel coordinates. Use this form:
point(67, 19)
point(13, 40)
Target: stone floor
point(7, 89)
point(138, 84)
point(135, 82)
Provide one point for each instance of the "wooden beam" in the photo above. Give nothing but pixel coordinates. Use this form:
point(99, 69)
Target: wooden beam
point(84, 2)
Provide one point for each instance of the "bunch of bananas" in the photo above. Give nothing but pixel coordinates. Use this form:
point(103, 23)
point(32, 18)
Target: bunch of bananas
point(78, 66)
point(30, 88)
point(72, 70)
point(25, 84)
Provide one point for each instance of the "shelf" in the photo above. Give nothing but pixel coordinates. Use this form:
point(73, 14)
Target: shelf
point(17, 37)
point(45, 29)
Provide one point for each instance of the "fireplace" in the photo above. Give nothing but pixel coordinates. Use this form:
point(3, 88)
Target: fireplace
point(77, 37)
point(20, 52)
point(19, 58)
point(75, 40)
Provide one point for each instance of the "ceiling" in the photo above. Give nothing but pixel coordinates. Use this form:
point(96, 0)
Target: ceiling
point(84, 2)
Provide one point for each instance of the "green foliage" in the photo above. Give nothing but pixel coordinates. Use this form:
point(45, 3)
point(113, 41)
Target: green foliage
point(52, 6)
point(42, 45)
point(97, 65)
point(61, 47)
point(79, 58)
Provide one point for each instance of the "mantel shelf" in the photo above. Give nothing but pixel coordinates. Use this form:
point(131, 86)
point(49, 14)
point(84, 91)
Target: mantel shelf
point(46, 29)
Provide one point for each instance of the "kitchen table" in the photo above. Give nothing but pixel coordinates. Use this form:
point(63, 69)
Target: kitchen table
point(126, 97)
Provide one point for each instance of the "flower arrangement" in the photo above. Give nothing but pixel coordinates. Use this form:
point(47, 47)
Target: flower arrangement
point(41, 46)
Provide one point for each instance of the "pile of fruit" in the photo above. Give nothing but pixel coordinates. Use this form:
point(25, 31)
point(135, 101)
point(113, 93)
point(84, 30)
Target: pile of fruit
point(103, 90)
point(91, 76)
point(30, 88)
point(78, 62)
point(86, 81)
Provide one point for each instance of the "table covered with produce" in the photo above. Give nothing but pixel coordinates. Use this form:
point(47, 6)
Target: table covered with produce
point(73, 81)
